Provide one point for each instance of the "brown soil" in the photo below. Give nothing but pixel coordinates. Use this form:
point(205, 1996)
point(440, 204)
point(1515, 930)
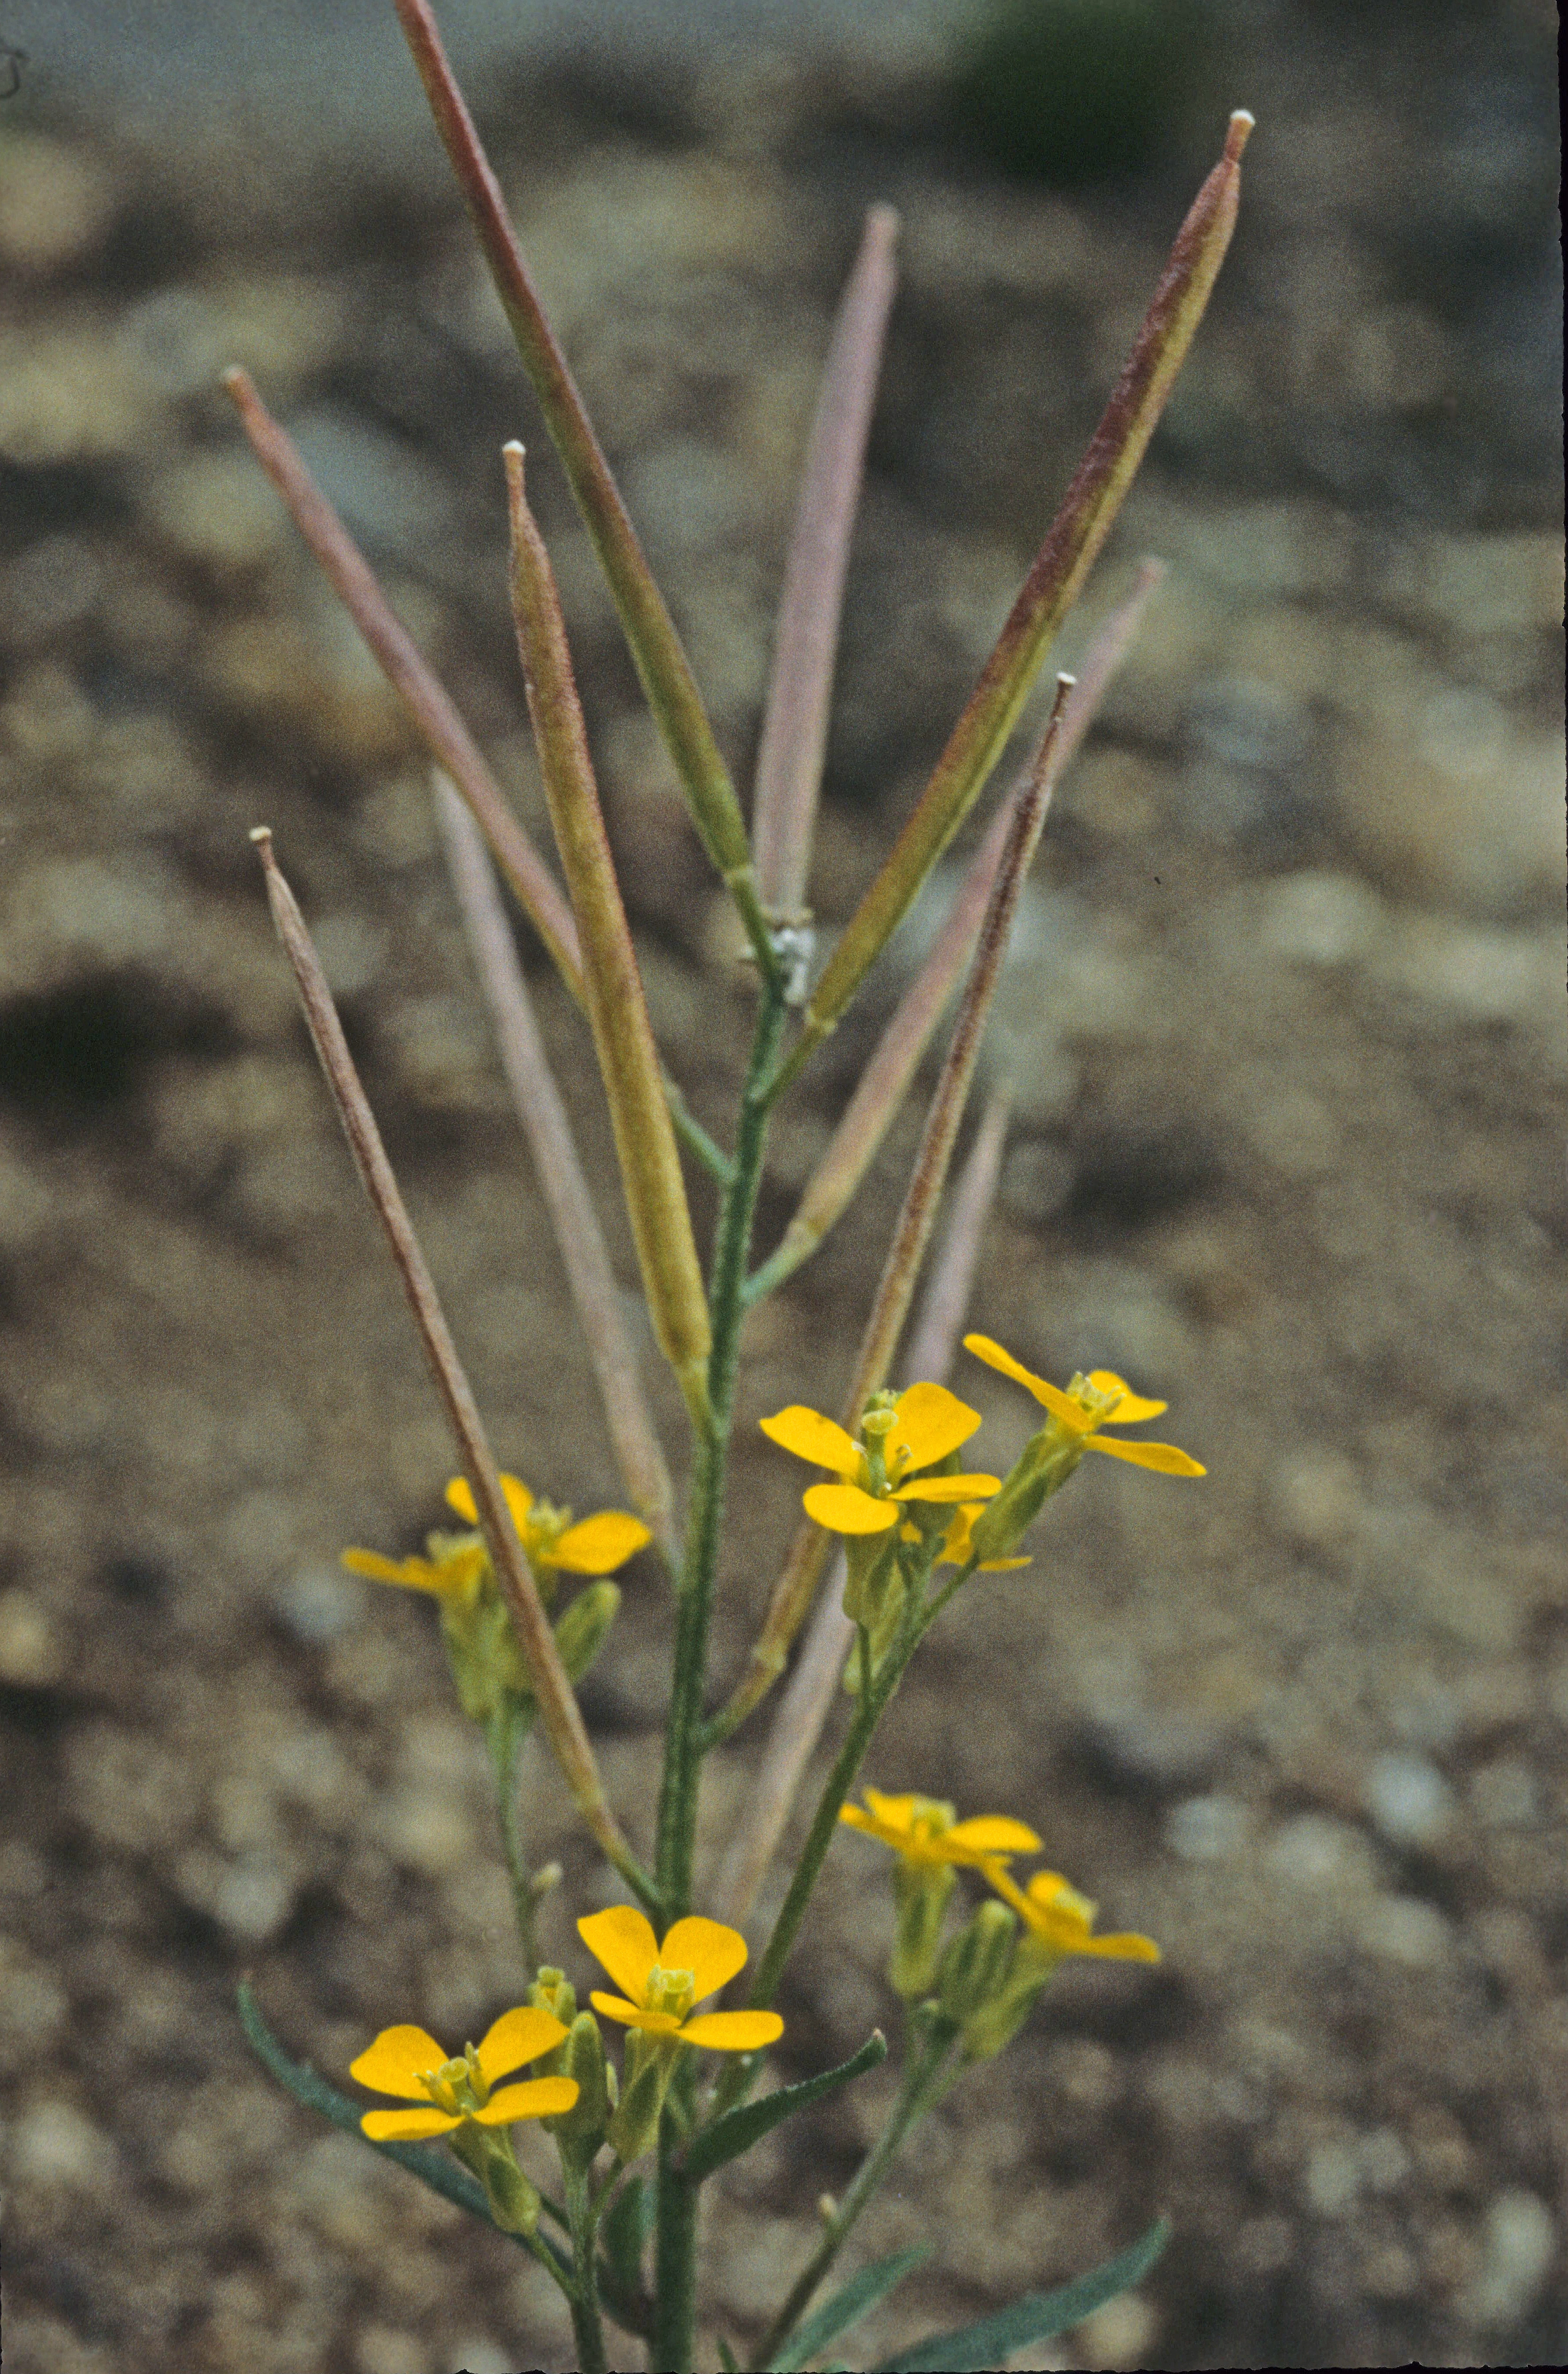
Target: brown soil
point(1286, 1023)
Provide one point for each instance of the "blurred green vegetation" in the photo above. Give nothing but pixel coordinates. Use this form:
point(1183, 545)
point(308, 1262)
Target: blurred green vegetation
point(1071, 92)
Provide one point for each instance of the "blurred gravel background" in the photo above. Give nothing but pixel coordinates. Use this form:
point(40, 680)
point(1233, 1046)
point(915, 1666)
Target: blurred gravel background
point(1285, 1015)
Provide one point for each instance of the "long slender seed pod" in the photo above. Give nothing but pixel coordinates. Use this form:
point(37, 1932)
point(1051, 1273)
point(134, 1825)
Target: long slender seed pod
point(1048, 592)
point(796, 1587)
point(794, 729)
point(428, 703)
point(884, 1083)
point(557, 1704)
point(595, 1294)
point(617, 1010)
point(656, 648)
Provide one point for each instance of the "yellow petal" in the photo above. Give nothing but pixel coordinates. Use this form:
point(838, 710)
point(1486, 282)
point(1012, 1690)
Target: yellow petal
point(660, 2023)
point(845, 1509)
point(519, 1499)
point(461, 1497)
point(406, 2126)
point(517, 2036)
point(707, 1949)
point(931, 1422)
point(413, 1573)
point(599, 1543)
point(1050, 1397)
point(1162, 1457)
point(538, 2098)
point(949, 1487)
point(991, 1834)
point(900, 1810)
point(397, 2060)
point(811, 1435)
point(1126, 1947)
point(1000, 1566)
point(623, 1941)
point(732, 2031)
point(1132, 1408)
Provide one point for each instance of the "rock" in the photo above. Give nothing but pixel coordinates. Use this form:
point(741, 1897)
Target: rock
point(1409, 1802)
point(1315, 1497)
point(31, 1654)
point(1332, 2179)
point(1312, 1851)
point(1504, 1795)
point(54, 2145)
point(1119, 2334)
point(1519, 2243)
point(379, 2350)
point(1141, 1753)
point(1207, 1829)
point(319, 1603)
point(55, 202)
point(1405, 1928)
point(1320, 918)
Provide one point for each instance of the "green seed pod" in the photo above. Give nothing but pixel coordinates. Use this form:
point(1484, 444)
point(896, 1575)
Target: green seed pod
point(974, 1968)
point(636, 2121)
point(1048, 1460)
point(581, 1631)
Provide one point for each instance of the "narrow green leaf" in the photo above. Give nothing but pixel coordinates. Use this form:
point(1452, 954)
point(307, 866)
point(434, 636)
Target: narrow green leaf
point(628, 2224)
point(857, 2299)
point(726, 2357)
point(431, 2164)
point(1040, 2316)
point(738, 2130)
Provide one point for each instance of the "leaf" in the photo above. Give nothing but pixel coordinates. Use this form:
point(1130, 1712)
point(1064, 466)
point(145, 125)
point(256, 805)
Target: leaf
point(429, 2162)
point(1039, 2316)
point(857, 2299)
point(738, 2130)
point(624, 2235)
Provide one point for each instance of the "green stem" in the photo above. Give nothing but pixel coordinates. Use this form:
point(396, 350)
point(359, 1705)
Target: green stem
point(694, 1138)
point(506, 1731)
point(682, 1746)
point(918, 2091)
point(586, 2327)
point(676, 2315)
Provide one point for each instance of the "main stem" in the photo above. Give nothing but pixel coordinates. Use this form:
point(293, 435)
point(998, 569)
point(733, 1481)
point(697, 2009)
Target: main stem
point(588, 2329)
point(677, 2286)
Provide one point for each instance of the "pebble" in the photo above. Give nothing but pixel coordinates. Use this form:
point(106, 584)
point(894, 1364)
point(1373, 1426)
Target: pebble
point(479, 2354)
point(1315, 1497)
point(1148, 1754)
point(319, 1603)
point(1314, 1851)
point(31, 1655)
point(379, 2350)
point(55, 202)
point(56, 2145)
point(1332, 2179)
point(1409, 1802)
point(1119, 2334)
point(1320, 919)
point(1406, 1928)
point(1207, 1829)
point(1519, 2243)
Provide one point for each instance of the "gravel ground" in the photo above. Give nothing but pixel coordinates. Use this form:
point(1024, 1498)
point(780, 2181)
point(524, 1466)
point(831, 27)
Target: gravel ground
point(1286, 1018)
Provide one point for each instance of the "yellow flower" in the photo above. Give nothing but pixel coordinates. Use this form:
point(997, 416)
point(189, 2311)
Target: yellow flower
point(451, 1576)
point(664, 1982)
point(912, 1431)
point(1062, 1920)
point(1099, 1399)
point(598, 1545)
point(957, 1548)
point(408, 2062)
point(923, 1832)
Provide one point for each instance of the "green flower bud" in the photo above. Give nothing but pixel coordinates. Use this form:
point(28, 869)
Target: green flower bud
point(1048, 1460)
point(581, 2130)
point(514, 2204)
point(974, 1968)
point(581, 1631)
point(553, 1991)
point(995, 2024)
point(650, 2061)
point(921, 1892)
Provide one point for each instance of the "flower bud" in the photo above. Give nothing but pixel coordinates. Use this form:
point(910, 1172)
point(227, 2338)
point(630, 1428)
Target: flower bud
point(514, 2204)
point(581, 2130)
point(581, 1631)
point(1048, 1460)
point(553, 1991)
point(649, 2063)
point(921, 1892)
point(974, 1968)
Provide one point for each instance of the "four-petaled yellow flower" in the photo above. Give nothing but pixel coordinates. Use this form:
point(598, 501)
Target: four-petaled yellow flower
point(1100, 1399)
point(923, 1832)
point(597, 1545)
point(410, 2064)
point(662, 1982)
point(927, 1424)
point(1062, 1920)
